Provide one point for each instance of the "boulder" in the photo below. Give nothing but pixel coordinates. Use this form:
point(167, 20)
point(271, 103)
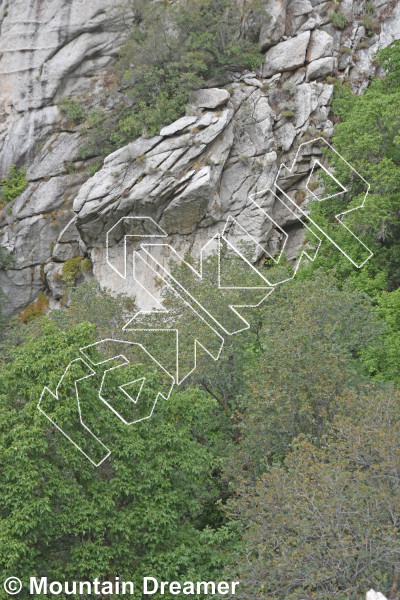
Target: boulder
point(325, 94)
point(297, 8)
point(287, 55)
point(272, 31)
point(321, 45)
point(285, 136)
point(63, 252)
point(306, 101)
point(177, 126)
point(53, 273)
point(311, 23)
point(321, 68)
point(20, 287)
point(205, 120)
point(372, 595)
point(209, 98)
point(296, 15)
point(186, 211)
point(253, 81)
point(328, 128)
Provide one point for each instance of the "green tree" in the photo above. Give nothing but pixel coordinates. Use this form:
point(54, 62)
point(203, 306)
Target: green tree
point(310, 341)
point(367, 136)
point(3, 319)
point(325, 523)
point(148, 509)
point(222, 284)
point(383, 359)
point(6, 261)
point(13, 185)
point(281, 377)
point(174, 48)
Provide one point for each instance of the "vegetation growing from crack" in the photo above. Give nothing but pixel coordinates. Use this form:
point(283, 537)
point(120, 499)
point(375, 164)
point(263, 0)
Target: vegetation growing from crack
point(35, 310)
point(6, 259)
point(74, 267)
point(173, 48)
point(277, 464)
point(12, 185)
point(72, 110)
point(338, 19)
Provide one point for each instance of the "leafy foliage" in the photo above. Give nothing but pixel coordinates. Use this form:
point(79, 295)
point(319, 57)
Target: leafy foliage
point(383, 360)
point(73, 268)
point(173, 49)
point(13, 185)
point(6, 259)
point(94, 167)
point(338, 19)
point(323, 523)
point(311, 335)
point(369, 18)
point(36, 309)
point(316, 469)
point(281, 459)
point(72, 110)
point(88, 302)
point(3, 318)
point(367, 137)
point(147, 509)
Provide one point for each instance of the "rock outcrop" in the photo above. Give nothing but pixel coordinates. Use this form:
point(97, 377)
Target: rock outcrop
point(372, 595)
point(197, 171)
point(49, 49)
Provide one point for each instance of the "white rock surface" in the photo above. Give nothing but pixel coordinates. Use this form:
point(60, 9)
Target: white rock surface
point(321, 45)
point(53, 274)
point(252, 81)
point(287, 55)
point(272, 31)
point(372, 595)
point(285, 136)
point(209, 98)
point(48, 49)
point(177, 126)
point(297, 13)
point(297, 8)
point(189, 179)
point(321, 68)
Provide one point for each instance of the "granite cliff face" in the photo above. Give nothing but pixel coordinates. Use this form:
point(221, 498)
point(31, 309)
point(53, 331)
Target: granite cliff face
point(48, 49)
point(193, 175)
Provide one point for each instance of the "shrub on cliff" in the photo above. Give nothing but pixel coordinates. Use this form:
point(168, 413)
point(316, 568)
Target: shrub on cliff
point(13, 185)
point(172, 50)
point(367, 136)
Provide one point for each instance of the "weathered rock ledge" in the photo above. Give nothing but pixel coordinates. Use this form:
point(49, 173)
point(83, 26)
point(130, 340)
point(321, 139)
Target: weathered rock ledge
point(197, 171)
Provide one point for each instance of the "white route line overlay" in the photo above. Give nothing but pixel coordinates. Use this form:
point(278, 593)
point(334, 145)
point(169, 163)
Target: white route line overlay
point(162, 310)
point(93, 372)
point(304, 254)
point(161, 233)
point(199, 275)
point(342, 214)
